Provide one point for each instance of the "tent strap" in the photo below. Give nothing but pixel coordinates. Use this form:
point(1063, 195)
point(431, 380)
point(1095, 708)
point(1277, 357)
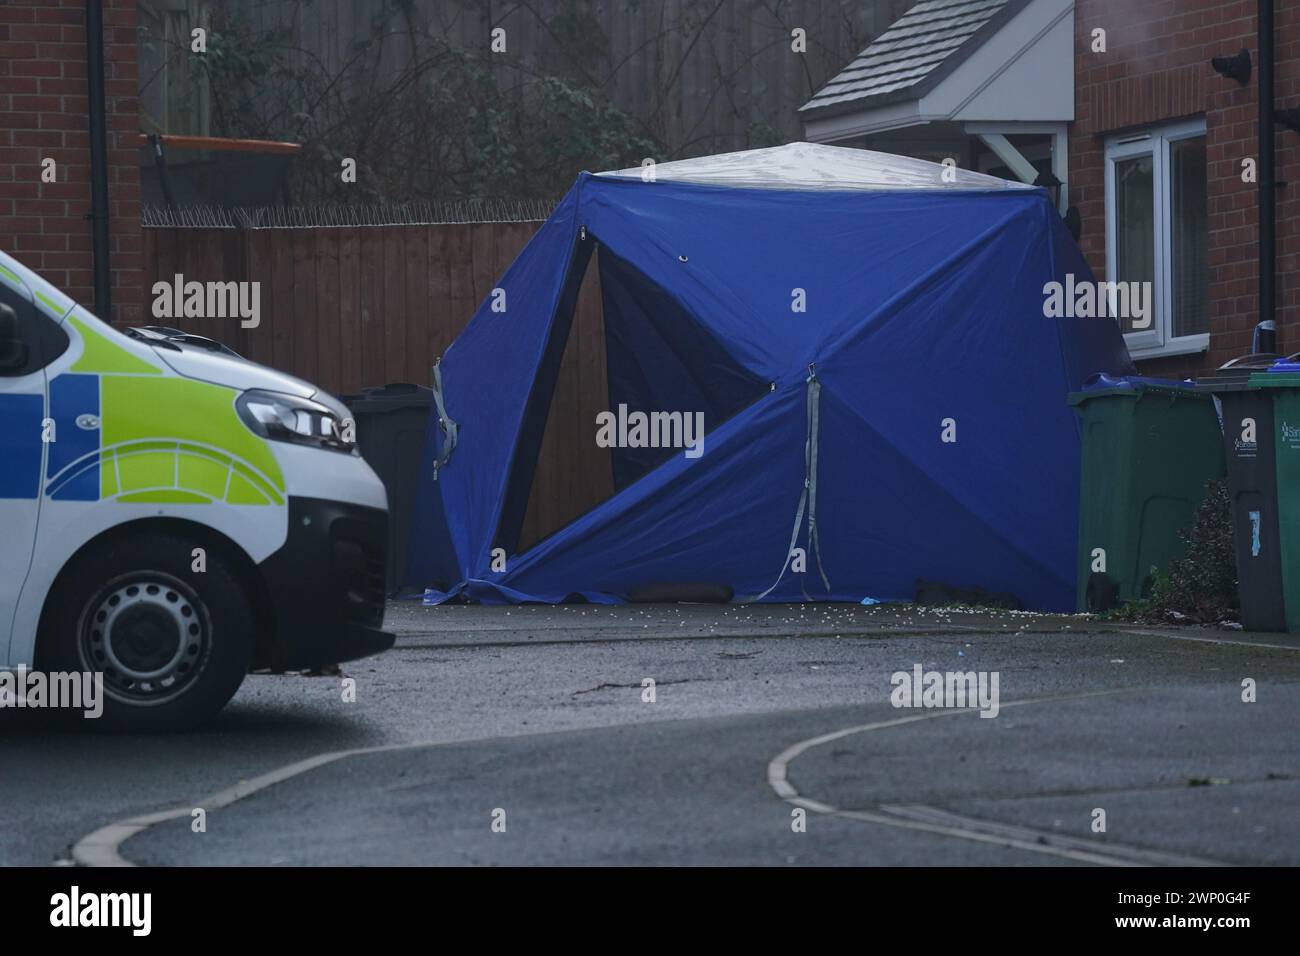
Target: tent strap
point(450, 430)
point(808, 497)
point(814, 431)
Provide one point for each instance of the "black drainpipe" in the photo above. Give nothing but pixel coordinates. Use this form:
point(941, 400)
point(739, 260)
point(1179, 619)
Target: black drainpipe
point(1266, 330)
point(98, 156)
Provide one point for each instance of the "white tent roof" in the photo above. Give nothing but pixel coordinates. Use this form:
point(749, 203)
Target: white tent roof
point(816, 166)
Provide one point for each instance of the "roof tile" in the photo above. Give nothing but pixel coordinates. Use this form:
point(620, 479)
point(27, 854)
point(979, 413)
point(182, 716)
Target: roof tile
point(916, 45)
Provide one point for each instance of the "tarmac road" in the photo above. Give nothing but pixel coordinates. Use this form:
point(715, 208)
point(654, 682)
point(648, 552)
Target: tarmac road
point(538, 712)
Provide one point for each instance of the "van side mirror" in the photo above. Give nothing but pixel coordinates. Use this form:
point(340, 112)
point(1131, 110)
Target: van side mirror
point(13, 350)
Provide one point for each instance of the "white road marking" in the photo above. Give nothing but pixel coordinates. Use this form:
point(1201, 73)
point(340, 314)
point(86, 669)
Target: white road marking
point(1034, 839)
point(1293, 645)
point(103, 847)
point(929, 820)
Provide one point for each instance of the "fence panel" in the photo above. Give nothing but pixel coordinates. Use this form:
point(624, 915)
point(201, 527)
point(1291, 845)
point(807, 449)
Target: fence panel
point(343, 306)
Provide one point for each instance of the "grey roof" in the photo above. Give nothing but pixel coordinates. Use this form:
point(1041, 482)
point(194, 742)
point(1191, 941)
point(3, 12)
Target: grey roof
point(915, 53)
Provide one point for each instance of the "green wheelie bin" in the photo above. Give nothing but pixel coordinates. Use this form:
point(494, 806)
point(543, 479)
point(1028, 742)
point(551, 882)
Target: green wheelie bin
point(1250, 450)
point(1149, 448)
point(1282, 384)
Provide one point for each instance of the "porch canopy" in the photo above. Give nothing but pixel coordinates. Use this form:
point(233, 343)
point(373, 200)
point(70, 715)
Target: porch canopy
point(988, 82)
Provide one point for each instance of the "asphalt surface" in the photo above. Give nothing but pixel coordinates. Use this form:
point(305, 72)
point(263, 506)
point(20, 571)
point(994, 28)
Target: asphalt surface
point(535, 717)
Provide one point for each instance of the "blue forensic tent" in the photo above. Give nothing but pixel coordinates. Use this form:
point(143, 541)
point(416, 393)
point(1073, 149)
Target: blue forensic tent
point(864, 335)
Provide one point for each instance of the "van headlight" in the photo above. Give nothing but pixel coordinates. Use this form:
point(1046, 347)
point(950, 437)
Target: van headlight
point(281, 417)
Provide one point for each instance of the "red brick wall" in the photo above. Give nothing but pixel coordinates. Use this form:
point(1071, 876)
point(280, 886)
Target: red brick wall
point(1157, 69)
point(43, 113)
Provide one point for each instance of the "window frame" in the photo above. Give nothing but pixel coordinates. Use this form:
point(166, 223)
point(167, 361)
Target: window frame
point(1155, 142)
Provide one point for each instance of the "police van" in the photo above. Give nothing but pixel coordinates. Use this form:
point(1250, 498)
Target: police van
point(172, 516)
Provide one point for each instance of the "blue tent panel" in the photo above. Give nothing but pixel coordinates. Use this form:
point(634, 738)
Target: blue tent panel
point(660, 358)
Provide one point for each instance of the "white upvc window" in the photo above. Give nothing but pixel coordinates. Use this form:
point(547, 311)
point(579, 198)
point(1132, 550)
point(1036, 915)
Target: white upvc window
point(1157, 231)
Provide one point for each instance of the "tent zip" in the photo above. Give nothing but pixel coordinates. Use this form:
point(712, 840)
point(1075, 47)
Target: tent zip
point(808, 497)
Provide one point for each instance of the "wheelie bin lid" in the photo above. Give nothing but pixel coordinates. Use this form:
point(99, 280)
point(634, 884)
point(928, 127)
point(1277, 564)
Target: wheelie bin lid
point(389, 398)
point(1276, 378)
point(1286, 366)
point(1102, 384)
point(1235, 375)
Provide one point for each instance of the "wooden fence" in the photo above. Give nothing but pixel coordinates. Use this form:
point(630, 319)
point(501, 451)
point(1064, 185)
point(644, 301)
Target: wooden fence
point(348, 307)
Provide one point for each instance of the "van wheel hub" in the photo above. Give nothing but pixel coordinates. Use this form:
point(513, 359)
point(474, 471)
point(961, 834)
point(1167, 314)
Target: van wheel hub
point(149, 635)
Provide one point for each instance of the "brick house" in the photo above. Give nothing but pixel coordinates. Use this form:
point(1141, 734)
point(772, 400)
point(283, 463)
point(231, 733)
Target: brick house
point(45, 115)
point(1147, 138)
point(1152, 115)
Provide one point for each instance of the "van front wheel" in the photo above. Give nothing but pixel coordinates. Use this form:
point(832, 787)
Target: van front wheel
point(173, 644)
